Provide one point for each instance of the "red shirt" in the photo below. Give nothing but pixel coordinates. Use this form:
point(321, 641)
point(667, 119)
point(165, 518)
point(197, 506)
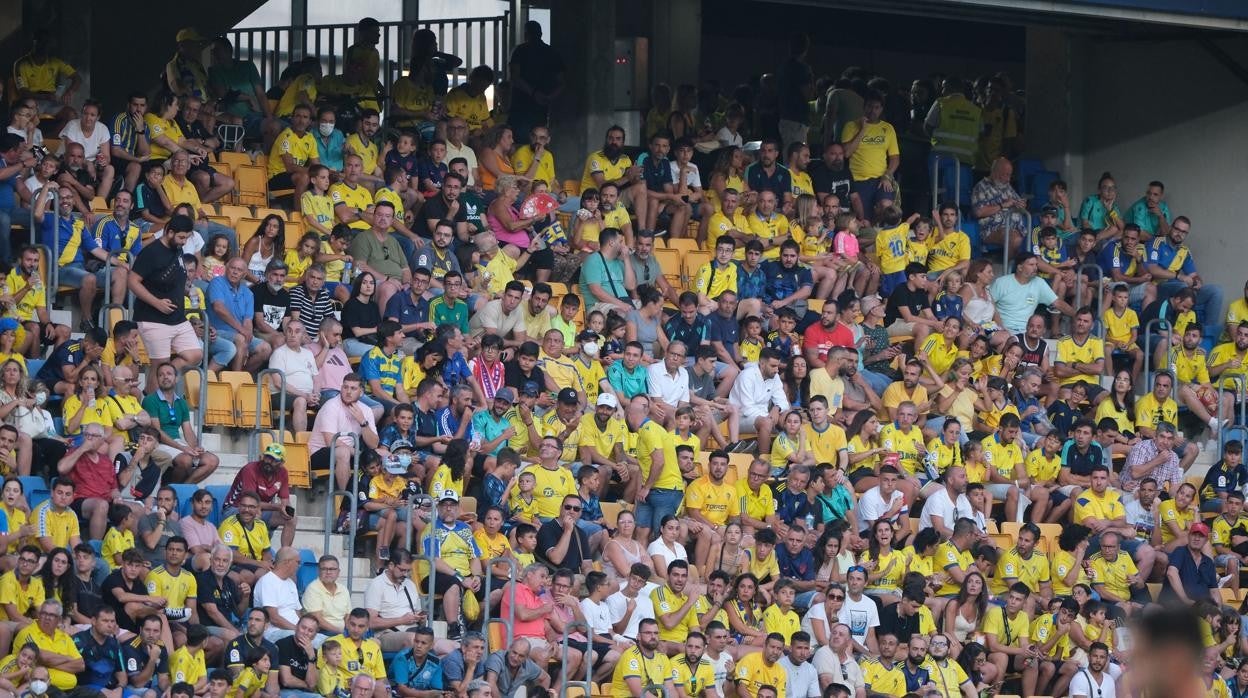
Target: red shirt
point(525, 598)
point(94, 477)
point(252, 479)
point(823, 338)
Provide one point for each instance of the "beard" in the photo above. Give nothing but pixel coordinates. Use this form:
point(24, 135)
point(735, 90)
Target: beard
point(611, 151)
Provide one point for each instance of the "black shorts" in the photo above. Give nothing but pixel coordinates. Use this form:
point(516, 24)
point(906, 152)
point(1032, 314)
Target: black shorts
point(320, 459)
point(860, 474)
point(281, 181)
point(541, 259)
point(445, 582)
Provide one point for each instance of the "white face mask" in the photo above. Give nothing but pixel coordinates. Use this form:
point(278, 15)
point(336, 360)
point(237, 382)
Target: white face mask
point(38, 687)
point(326, 129)
point(590, 348)
point(41, 398)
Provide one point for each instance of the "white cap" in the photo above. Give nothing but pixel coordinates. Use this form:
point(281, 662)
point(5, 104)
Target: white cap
point(609, 400)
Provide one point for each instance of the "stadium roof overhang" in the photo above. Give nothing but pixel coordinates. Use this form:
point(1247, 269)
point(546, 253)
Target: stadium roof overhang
point(1123, 18)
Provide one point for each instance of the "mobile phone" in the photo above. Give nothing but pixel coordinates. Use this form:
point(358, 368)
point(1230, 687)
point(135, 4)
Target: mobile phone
point(290, 511)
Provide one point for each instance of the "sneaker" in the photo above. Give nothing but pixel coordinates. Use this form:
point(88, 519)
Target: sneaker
point(85, 325)
point(1223, 580)
point(454, 631)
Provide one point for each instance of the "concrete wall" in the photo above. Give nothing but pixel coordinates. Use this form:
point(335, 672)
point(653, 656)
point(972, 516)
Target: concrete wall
point(1169, 111)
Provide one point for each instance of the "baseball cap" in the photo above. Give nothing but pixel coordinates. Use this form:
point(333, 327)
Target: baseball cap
point(8, 324)
point(587, 336)
point(530, 388)
point(401, 445)
point(1049, 211)
point(275, 450)
point(1199, 527)
point(507, 394)
point(449, 496)
point(608, 400)
point(569, 396)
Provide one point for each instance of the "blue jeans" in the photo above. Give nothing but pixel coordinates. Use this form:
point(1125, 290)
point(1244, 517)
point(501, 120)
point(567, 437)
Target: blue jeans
point(878, 381)
point(660, 503)
point(221, 351)
point(355, 347)
point(1208, 304)
point(805, 599)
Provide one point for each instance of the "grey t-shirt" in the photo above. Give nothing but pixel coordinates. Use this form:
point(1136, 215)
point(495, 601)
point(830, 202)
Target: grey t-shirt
point(702, 386)
point(147, 524)
point(508, 684)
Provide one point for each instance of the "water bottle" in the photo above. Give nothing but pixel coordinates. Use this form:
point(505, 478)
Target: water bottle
point(346, 272)
point(194, 301)
point(810, 522)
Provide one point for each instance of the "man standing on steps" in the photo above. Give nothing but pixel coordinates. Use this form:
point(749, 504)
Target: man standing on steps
point(158, 281)
point(268, 478)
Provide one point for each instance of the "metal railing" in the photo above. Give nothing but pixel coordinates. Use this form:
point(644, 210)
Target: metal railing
point(54, 259)
point(1243, 405)
point(253, 439)
point(432, 583)
point(514, 576)
point(474, 40)
point(49, 287)
point(353, 493)
point(589, 666)
point(957, 183)
point(1159, 323)
point(1099, 300)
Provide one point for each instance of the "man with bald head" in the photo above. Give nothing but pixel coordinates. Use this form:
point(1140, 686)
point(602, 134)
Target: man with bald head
point(507, 670)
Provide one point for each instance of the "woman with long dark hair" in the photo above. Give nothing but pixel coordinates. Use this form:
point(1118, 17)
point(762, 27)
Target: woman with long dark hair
point(863, 437)
point(974, 661)
point(797, 381)
point(361, 317)
point(885, 566)
point(452, 471)
point(745, 615)
point(57, 577)
point(730, 557)
point(268, 243)
point(964, 615)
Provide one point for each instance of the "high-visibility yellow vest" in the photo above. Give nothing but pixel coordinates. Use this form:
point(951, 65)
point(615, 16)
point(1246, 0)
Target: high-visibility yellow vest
point(957, 133)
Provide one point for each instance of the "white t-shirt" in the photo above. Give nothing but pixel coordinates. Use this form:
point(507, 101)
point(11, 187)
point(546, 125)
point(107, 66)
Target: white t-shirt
point(1081, 685)
point(860, 616)
point(720, 668)
point(597, 615)
point(33, 185)
point(618, 603)
point(817, 612)
point(38, 137)
point(802, 680)
point(727, 138)
point(692, 178)
point(299, 366)
point(941, 505)
point(871, 506)
point(90, 144)
point(658, 548)
point(280, 594)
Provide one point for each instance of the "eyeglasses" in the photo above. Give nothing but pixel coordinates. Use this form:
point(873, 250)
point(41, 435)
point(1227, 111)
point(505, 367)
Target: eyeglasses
point(939, 643)
point(836, 597)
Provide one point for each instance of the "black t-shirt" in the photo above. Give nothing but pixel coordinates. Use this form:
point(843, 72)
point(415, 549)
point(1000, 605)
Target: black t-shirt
point(829, 181)
point(903, 297)
point(114, 582)
point(357, 314)
point(514, 377)
point(135, 653)
point(578, 548)
point(892, 622)
point(271, 306)
point(795, 76)
point(102, 660)
point(435, 210)
point(540, 66)
point(163, 276)
point(224, 595)
point(293, 656)
point(88, 596)
point(236, 651)
point(147, 199)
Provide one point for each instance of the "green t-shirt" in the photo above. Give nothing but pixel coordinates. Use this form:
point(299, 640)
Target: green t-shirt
point(631, 384)
point(441, 312)
point(474, 210)
point(239, 79)
point(171, 417)
point(607, 273)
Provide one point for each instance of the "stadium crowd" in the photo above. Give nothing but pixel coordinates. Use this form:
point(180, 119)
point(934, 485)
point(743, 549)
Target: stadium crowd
point(834, 452)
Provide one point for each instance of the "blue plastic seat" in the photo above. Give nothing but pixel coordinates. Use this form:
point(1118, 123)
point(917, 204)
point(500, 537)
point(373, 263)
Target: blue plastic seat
point(218, 494)
point(1038, 187)
point(36, 489)
point(184, 492)
point(970, 226)
point(308, 569)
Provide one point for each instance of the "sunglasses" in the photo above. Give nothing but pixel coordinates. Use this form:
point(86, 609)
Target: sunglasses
point(569, 507)
point(836, 597)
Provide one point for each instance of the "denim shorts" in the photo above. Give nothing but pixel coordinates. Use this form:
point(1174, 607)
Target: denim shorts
point(374, 517)
point(660, 503)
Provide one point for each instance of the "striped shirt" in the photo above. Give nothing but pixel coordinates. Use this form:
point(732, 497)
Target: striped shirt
point(312, 311)
point(125, 135)
point(60, 526)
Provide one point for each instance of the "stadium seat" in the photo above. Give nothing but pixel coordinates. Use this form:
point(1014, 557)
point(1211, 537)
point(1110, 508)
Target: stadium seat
point(192, 389)
point(740, 463)
point(572, 187)
point(308, 569)
point(611, 512)
point(971, 228)
point(261, 212)
point(99, 205)
point(218, 493)
point(669, 262)
point(184, 492)
point(294, 231)
point(52, 144)
point(685, 245)
point(235, 159)
point(692, 262)
point(298, 463)
point(219, 412)
point(245, 397)
point(815, 305)
point(497, 635)
point(35, 488)
point(245, 228)
point(253, 185)
point(557, 289)
point(235, 213)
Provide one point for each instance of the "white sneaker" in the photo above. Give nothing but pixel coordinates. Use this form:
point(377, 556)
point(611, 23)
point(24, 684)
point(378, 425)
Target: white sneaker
point(1223, 580)
point(1214, 425)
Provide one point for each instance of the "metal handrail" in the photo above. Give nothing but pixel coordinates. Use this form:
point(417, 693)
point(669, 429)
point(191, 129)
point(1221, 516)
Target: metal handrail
point(476, 40)
point(957, 182)
point(589, 666)
point(49, 289)
point(1100, 294)
point(55, 259)
point(330, 516)
point(203, 393)
point(432, 584)
point(253, 441)
point(55, 195)
point(1158, 322)
point(108, 275)
point(511, 589)
point(1239, 390)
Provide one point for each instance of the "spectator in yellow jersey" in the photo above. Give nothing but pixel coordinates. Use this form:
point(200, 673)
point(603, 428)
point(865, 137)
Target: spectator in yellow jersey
point(248, 535)
point(293, 153)
point(642, 665)
point(756, 508)
point(761, 669)
point(467, 101)
point(871, 146)
point(612, 165)
point(39, 75)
